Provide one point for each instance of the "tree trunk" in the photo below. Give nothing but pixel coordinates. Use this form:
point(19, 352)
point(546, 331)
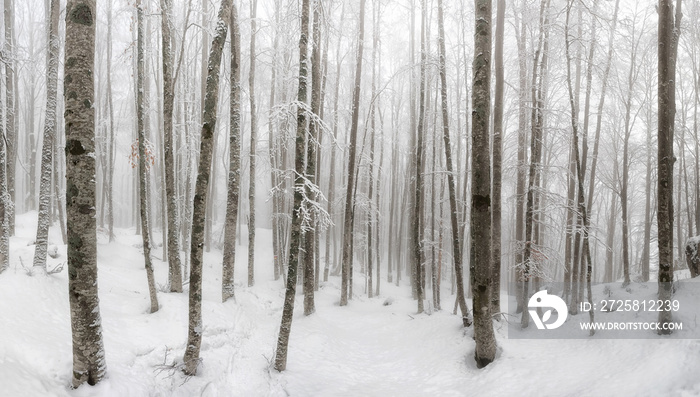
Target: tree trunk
point(667, 45)
point(346, 276)
point(234, 170)
point(10, 111)
point(174, 266)
point(88, 350)
point(253, 143)
point(522, 161)
point(480, 265)
point(311, 169)
point(144, 159)
point(454, 210)
point(42, 233)
point(295, 240)
point(497, 160)
point(194, 334)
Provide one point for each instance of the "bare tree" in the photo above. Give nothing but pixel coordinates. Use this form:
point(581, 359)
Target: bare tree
point(194, 334)
point(456, 245)
point(669, 31)
point(253, 143)
point(497, 163)
point(480, 265)
point(143, 161)
point(234, 171)
point(88, 350)
point(295, 241)
point(42, 233)
point(173, 226)
point(346, 276)
point(10, 110)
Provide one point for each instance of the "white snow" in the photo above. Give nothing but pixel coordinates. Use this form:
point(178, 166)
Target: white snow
point(364, 349)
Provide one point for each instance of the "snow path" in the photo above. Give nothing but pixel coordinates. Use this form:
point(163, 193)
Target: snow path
point(364, 349)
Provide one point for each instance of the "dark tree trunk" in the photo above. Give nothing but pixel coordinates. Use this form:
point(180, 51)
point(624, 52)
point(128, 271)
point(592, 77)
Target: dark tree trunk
point(480, 266)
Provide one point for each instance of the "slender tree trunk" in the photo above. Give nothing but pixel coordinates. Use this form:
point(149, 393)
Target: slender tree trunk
point(296, 234)
point(522, 161)
point(346, 276)
point(88, 350)
point(497, 154)
point(10, 111)
point(456, 246)
point(5, 201)
point(143, 160)
point(311, 170)
point(234, 169)
point(110, 107)
point(194, 334)
point(253, 145)
point(174, 266)
point(42, 234)
point(579, 170)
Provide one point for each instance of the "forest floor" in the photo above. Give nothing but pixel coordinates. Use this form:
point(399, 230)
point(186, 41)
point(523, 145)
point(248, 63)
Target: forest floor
point(364, 349)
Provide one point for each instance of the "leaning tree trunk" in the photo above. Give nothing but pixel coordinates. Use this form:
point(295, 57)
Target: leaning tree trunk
point(88, 350)
point(346, 277)
point(456, 251)
point(480, 266)
point(194, 334)
point(42, 233)
point(234, 171)
point(143, 161)
point(295, 241)
point(174, 266)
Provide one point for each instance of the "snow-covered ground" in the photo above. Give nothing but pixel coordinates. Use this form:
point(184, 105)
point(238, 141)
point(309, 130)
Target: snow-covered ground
point(364, 349)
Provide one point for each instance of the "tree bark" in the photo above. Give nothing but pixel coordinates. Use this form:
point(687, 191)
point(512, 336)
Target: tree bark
point(88, 350)
point(174, 265)
point(497, 163)
point(669, 29)
point(295, 240)
point(346, 277)
point(10, 111)
point(311, 169)
point(480, 265)
point(42, 234)
point(253, 145)
point(143, 159)
point(234, 170)
point(194, 333)
point(454, 210)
